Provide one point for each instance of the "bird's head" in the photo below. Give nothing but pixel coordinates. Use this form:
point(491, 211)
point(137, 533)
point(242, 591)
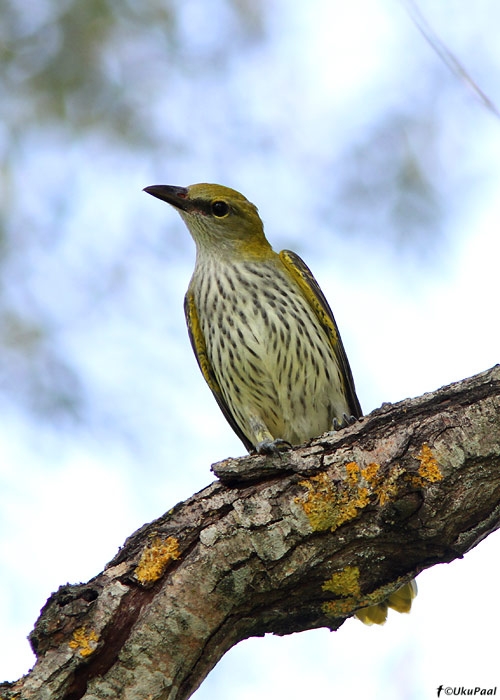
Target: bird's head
point(221, 220)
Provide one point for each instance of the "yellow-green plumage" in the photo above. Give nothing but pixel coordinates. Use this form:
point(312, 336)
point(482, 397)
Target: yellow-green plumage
point(271, 363)
point(262, 331)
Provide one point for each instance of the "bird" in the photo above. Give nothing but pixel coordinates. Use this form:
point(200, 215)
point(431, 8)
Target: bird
point(263, 334)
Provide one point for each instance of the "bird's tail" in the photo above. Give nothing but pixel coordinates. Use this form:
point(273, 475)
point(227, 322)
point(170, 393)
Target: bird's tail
point(400, 601)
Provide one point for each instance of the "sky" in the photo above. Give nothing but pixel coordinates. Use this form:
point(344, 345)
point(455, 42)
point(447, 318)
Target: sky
point(410, 324)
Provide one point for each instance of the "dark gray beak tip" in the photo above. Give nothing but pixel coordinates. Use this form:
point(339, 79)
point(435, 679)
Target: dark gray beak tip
point(176, 196)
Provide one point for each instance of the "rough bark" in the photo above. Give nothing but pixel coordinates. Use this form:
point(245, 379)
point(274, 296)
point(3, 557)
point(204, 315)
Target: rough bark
point(277, 545)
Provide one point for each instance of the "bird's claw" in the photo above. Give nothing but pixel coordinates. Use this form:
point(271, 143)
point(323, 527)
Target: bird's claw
point(346, 420)
point(272, 447)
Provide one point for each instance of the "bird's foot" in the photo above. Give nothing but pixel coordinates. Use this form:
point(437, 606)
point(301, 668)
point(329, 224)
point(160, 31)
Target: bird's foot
point(272, 447)
point(346, 420)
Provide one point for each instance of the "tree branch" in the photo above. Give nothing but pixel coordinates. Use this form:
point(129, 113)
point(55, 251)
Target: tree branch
point(278, 545)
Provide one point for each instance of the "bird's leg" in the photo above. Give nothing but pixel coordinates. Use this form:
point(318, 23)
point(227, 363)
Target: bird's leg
point(346, 420)
point(265, 443)
point(272, 447)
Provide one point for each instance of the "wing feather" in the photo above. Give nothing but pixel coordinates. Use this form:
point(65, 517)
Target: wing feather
point(200, 350)
point(312, 292)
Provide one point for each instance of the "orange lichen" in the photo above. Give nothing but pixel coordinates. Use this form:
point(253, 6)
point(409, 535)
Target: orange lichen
point(384, 486)
point(328, 505)
point(387, 489)
point(344, 583)
point(353, 470)
point(320, 503)
point(371, 473)
point(429, 468)
point(339, 608)
point(83, 641)
point(155, 559)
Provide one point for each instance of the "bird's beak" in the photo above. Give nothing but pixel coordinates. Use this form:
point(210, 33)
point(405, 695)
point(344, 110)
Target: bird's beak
point(176, 196)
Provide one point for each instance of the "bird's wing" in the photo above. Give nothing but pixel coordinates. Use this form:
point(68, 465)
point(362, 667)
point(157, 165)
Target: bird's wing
point(312, 292)
point(200, 350)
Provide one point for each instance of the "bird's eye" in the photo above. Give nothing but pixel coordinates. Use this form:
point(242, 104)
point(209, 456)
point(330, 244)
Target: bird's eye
point(219, 208)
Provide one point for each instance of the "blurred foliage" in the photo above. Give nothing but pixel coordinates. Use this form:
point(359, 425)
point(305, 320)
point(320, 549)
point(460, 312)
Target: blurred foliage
point(388, 175)
point(73, 64)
